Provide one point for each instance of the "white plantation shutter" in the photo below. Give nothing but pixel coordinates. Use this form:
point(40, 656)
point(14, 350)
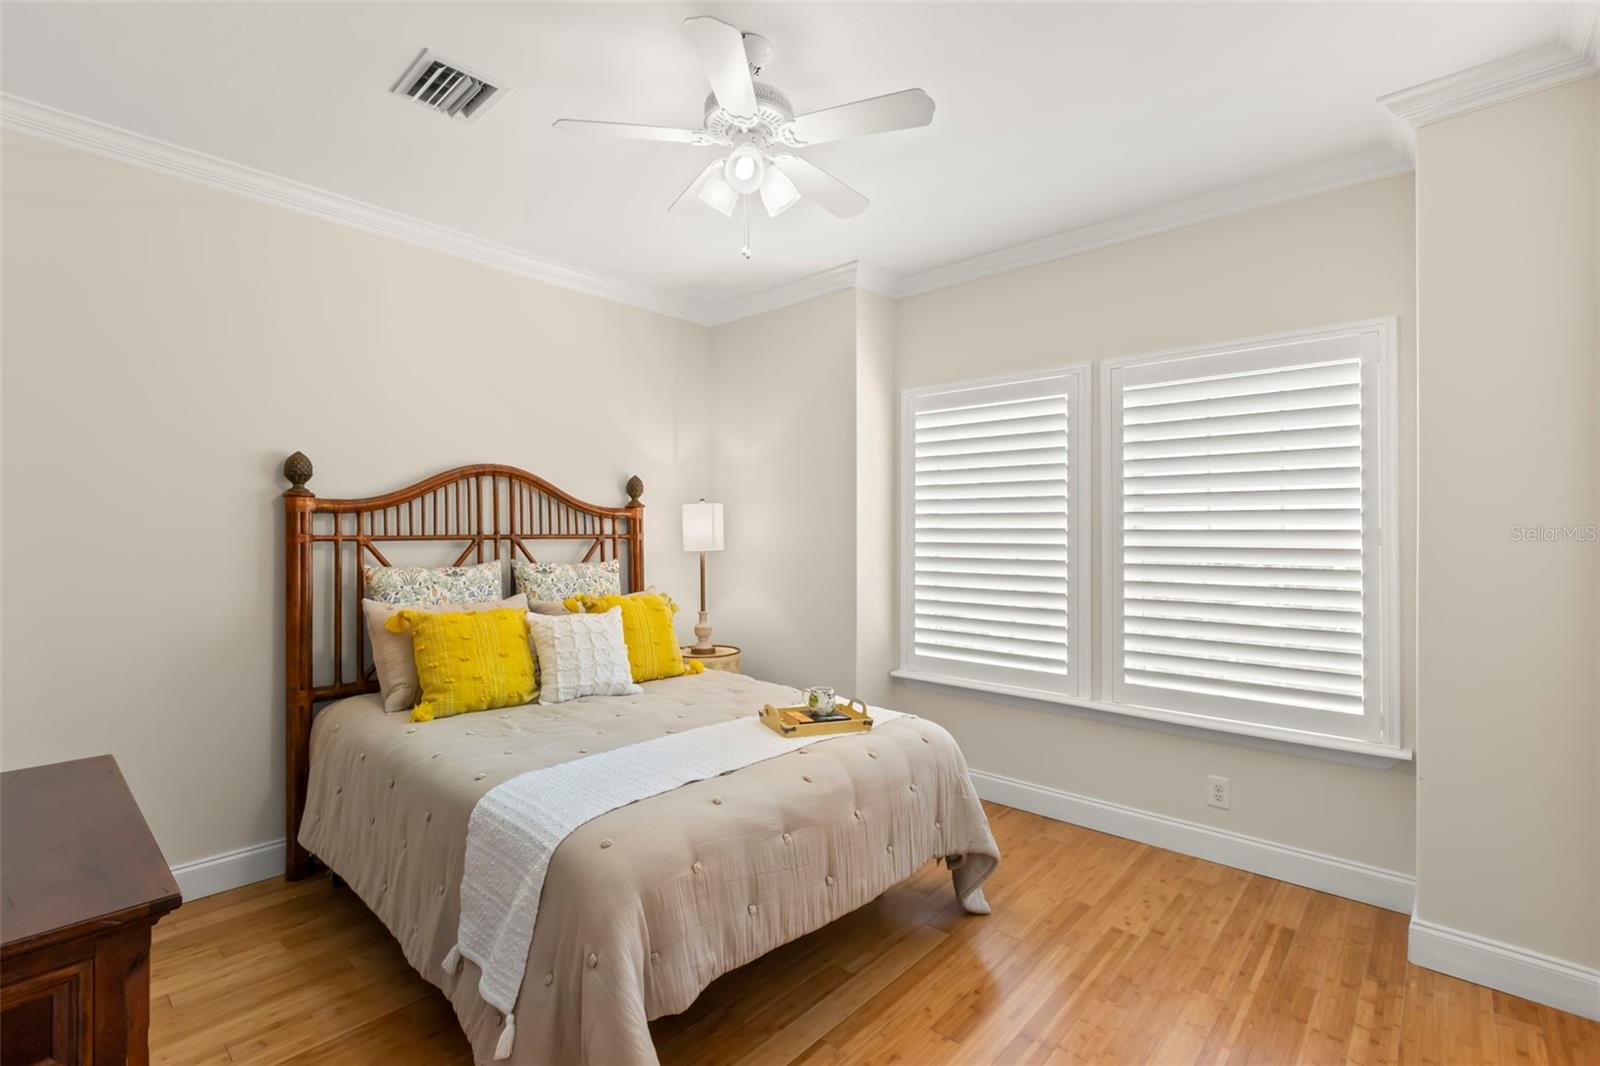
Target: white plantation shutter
point(1244, 564)
point(994, 492)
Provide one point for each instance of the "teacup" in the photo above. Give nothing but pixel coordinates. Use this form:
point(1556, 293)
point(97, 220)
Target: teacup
point(819, 701)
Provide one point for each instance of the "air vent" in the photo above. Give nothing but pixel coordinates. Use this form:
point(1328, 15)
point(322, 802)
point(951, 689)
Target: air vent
point(447, 87)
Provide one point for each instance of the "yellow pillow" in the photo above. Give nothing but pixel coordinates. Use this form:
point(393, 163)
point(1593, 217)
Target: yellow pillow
point(468, 661)
point(647, 630)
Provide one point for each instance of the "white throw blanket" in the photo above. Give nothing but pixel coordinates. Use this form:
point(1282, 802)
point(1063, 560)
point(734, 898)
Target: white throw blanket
point(516, 827)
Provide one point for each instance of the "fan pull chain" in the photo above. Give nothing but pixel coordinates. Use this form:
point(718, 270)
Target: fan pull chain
point(745, 203)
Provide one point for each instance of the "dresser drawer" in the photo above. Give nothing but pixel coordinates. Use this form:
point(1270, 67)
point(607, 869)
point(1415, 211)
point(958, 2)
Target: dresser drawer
point(45, 1016)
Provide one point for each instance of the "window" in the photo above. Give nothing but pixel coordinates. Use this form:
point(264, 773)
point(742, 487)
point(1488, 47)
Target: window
point(1247, 575)
point(994, 501)
point(1247, 556)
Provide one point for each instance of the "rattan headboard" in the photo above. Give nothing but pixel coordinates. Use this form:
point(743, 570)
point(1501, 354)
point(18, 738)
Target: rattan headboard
point(490, 512)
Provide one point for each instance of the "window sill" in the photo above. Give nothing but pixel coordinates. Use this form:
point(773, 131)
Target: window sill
point(1293, 737)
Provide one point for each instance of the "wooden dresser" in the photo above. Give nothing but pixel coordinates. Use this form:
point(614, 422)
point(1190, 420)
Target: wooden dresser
point(83, 884)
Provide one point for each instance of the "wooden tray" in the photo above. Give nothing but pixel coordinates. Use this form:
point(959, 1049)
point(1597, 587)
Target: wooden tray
point(795, 722)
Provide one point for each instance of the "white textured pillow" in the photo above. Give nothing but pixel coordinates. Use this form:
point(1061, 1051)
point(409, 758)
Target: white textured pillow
point(581, 655)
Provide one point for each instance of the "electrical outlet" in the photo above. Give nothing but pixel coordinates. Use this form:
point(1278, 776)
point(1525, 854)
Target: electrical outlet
point(1217, 791)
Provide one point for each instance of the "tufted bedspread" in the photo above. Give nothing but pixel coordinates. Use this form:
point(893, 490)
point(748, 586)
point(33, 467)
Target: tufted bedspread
point(645, 906)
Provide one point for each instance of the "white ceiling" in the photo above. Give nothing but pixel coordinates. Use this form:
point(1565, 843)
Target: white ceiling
point(1050, 116)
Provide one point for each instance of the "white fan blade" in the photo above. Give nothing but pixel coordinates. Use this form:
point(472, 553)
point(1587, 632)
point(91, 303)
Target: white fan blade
point(632, 131)
point(721, 49)
point(688, 201)
point(897, 111)
point(817, 184)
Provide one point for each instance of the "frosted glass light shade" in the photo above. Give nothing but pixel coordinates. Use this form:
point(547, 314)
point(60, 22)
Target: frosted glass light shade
point(778, 193)
point(702, 527)
point(744, 169)
point(719, 194)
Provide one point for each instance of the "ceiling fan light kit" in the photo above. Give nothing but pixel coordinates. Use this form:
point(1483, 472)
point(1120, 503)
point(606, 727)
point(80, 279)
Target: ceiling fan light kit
point(713, 189)
point(778, 193)
point(757, 122)
point(744, 168)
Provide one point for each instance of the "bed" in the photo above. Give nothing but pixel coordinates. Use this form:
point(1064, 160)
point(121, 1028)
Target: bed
point(642, 907)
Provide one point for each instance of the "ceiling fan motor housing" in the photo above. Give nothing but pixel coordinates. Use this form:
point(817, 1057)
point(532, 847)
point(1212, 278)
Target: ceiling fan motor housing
point(773, 111)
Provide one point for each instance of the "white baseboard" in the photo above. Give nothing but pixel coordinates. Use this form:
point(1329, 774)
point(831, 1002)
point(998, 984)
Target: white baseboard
point(1541, 978)
point(231, 869)
point(1326, 873)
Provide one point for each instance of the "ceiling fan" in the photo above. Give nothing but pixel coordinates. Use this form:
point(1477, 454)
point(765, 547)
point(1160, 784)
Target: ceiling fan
point(756, 121)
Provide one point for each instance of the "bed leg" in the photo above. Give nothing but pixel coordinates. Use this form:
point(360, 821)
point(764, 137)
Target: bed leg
point(969, 889)
point(297, 862)
point(336, 880)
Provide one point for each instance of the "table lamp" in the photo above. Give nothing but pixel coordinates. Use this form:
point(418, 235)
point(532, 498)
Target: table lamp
point(702, 532)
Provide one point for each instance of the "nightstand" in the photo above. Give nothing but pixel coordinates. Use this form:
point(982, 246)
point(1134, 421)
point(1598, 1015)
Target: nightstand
point(724, 658)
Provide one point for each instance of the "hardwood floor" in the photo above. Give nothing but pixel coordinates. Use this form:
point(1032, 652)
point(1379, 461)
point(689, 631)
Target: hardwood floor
point(1099, 950)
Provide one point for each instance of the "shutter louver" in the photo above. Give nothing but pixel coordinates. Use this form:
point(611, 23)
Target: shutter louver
point(990, 513)
point(1243, 544)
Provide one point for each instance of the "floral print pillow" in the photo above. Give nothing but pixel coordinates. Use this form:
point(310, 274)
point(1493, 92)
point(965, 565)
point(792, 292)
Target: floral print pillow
point(432, 585)
point(562, 581)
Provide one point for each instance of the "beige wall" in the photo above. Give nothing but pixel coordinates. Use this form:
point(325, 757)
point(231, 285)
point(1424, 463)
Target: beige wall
point(165, 346)
point(804, 460)
point(784, 467)
point(877, 497)
point(1327, 259)
point(1508, 820)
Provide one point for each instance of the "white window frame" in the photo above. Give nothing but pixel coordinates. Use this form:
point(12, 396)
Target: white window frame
point(1077, 682)
point(1380, 730)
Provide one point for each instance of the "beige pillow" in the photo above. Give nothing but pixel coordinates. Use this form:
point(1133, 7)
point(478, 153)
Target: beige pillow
point(392, 656)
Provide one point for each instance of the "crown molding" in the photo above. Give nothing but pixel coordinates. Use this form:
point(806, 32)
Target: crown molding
point(810, 287)
point(874, 280)
point(125, 146)
point(1581, 30)
point(111, 142)
point(1572, 57)
point(1263, 192)
point(1280, 188)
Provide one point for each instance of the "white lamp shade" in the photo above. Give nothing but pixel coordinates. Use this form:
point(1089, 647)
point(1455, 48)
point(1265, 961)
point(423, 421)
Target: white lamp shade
point(702, 527)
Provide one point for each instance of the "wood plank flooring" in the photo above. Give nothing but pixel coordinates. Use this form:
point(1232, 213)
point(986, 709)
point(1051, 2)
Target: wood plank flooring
point(1099, 950)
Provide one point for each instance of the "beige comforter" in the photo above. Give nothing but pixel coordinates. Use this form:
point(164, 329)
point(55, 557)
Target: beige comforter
point(644, 906)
